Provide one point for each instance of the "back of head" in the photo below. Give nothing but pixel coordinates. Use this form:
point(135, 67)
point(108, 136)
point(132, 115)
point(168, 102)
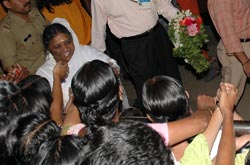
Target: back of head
point(58, 150)
point(95, 88)
point(127, 143)
point(7, 104)
point(26, 133)
point(164, 99)
point(35, 102)
point(37, 83)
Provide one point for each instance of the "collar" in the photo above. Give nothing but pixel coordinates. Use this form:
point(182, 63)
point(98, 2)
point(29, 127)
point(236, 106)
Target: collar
point(18, 19)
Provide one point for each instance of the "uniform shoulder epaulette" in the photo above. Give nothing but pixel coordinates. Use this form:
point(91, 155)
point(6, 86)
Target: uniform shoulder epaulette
point(5, 24)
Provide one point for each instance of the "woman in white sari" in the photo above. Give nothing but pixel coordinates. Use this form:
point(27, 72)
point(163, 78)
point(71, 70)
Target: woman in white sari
point(64, 51)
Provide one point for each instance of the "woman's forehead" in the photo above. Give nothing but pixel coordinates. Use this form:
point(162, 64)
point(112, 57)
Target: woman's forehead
point(59, 37)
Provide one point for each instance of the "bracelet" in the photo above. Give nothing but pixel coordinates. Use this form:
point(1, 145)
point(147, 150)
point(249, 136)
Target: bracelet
point(245, 62)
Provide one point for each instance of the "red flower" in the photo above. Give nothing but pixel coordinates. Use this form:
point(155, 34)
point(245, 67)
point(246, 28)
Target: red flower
point(182, 22)
point(188, 21)
point(199, 20)
point(198, 27)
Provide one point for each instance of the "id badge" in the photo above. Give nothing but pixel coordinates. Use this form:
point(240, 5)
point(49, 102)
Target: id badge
point(144, 4)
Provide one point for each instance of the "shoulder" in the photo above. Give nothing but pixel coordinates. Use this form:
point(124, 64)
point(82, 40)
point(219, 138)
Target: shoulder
point(5, 24)
point(35, 14)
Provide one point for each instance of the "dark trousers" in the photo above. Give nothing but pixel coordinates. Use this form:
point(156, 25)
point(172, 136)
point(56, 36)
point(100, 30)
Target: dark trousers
point(149, 55)
point(114, 50)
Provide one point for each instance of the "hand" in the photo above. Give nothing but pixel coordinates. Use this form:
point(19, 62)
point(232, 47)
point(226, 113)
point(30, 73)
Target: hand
point(246, 68)
point(227, 97)
point(206, 102)
point(20, 72)
point(7, 77)
point(61, 70)
point(16, 73)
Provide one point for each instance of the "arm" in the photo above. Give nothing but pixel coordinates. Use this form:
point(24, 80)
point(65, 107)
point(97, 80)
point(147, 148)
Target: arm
point(72, 116)
point(166, 9)
point(99, 21)
point(195, 124)
point(213, 128)
point(207, 102)
point(59, 74)
point(221, 13)
point(227, 100)
point(224, 24)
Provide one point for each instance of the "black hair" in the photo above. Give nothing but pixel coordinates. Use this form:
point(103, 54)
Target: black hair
point(96, 93)
point(164, 99)
point(127, 143)
point(35, 102)
point(26, 133)
point(49, 4)
point(51, 31)
point(8, 106)
point(59, 150)
point(38, 83)
point(133, 113)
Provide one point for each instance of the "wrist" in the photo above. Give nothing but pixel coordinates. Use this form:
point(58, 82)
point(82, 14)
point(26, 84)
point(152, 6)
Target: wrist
point(57, 78)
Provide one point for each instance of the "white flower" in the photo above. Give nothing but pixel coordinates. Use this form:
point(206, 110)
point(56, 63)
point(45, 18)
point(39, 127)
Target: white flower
point(186, 61)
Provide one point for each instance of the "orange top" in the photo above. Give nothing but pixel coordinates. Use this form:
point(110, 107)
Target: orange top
point(77, 17)
point(192, 5)
point(2, 12)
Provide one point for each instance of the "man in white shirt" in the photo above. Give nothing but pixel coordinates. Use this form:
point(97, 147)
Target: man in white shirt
point(145, 44)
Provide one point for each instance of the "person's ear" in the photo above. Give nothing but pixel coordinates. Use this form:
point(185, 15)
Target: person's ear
point(6, 4)
point(187, 94)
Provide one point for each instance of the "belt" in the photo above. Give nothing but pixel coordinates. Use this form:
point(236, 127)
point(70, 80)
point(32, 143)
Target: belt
point(245, 40)
point(142, 35)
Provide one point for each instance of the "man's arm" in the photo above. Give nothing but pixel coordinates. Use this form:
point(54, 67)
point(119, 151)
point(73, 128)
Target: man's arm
point(166, 9)
point(221, 14)
point(99, 21)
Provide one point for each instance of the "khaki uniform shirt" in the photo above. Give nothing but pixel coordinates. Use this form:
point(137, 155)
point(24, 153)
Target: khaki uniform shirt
point(21, 41)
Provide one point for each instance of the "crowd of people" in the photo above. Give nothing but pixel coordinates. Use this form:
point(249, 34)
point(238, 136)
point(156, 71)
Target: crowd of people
point(62, 100)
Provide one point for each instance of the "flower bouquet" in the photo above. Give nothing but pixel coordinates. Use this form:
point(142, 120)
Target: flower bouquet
point(187, 33)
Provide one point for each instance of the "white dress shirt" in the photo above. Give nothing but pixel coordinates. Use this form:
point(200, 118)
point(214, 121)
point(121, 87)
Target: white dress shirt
point(125, 18)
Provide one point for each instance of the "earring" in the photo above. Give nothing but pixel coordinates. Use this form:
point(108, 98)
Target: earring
point(120, 97)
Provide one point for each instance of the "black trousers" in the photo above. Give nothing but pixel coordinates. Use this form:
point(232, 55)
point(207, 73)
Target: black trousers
point(114, 50)
point(149, 55)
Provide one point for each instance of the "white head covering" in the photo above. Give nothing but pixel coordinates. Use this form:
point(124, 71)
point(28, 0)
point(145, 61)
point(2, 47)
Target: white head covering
point(82, 54)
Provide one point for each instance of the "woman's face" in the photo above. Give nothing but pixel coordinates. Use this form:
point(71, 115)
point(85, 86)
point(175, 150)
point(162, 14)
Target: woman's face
point(62, 47)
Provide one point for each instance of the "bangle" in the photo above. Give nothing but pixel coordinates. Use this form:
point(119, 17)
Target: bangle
point(245, 62)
